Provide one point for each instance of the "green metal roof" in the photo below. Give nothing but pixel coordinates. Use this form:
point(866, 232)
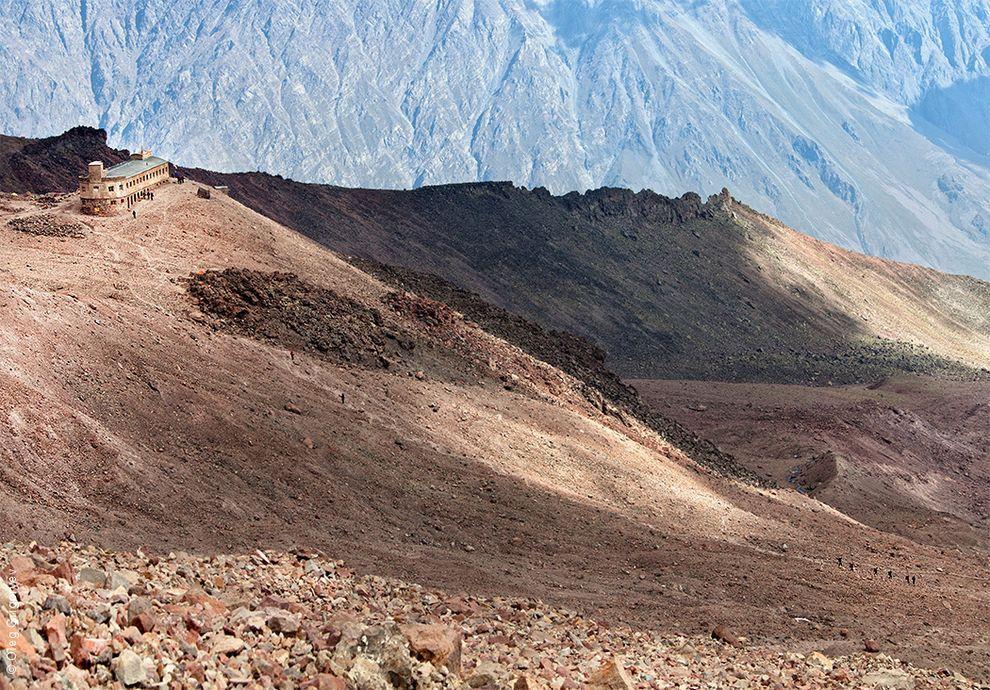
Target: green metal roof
point(134, 167)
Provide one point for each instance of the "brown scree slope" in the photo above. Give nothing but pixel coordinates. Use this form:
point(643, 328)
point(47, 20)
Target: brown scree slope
point(398, 437)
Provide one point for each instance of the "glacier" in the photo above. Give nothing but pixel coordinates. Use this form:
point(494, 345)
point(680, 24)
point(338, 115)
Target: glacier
point(862, 122)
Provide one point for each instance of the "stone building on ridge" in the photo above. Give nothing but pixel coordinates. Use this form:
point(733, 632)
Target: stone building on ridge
point(120, 187)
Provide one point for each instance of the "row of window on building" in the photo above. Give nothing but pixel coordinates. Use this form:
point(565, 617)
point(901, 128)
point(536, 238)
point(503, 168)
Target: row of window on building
point(137, 180)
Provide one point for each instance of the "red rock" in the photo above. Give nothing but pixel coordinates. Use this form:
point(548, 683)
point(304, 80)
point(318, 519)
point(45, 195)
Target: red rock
point(527, 683)
point(611, 676)
point(283, 624)
point(331, 635)
point(64, 571)
point(435, 643)
point(195, 670)
point(131, 634)
point(201, 598)
point(23, 570)
point(57, 642)
point(139, 615)
point(268, 669)
point(724, 635)
point(145, 622)
point(86, 650)
point(325, 681)
point(840, 675)
point(12, 639)
point(871, 646)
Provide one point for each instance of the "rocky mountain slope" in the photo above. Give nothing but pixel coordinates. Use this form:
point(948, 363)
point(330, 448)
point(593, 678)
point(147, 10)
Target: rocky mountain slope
point(202, 378)
point(99, 619)
point(653, 280)
point(863, 123)
point(670, 288)
point(52, 164)
point(761, 302)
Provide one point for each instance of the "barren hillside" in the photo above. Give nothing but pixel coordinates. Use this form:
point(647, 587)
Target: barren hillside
point(202, 378)
point(670, 288)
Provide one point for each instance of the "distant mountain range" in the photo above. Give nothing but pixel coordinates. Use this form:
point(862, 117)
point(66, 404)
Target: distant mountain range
point(863, 123)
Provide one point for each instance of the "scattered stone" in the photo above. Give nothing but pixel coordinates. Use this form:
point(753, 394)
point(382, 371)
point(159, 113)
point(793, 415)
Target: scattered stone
point(889, 678)
point(270, 619)
point(65, 571)
point(87, 651)
point(8, 600)
point(819, 659)
point(227, 645)
point(437, 644)
point(129, 669)
point(57, 603)
point(55, 635)
point(723, 634)
point(871, 646)
point(611, 676)
point(48, 225)
point(487, 674)
point(283, 624)
point(92, 576)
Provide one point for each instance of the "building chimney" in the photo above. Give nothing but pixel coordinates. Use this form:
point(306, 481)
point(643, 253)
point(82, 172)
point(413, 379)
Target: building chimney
point(95, 171)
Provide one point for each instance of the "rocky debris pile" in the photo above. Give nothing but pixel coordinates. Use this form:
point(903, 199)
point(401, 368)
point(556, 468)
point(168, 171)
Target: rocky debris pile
point(409, 335)
point(615, 202)
point(51, 199)
point(47, 225)
point(81, 617)
point(429, 312)
point(282, 309)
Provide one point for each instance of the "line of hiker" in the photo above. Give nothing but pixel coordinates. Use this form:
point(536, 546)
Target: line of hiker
point(909, 579)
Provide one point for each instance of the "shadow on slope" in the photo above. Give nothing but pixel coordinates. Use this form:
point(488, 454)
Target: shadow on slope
point(427, 514)
point(282, 310)
point(670, 288)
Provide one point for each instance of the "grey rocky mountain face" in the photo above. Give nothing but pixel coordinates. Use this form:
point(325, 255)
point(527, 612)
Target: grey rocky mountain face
point(862, 122)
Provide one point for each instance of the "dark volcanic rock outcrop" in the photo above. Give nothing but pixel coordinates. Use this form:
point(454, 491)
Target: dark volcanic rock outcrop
point(52, 164)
